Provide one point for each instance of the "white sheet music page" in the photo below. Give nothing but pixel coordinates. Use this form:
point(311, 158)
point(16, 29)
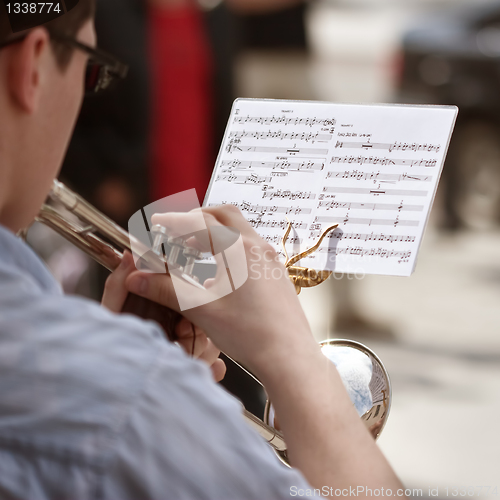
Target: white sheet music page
point(373, 169)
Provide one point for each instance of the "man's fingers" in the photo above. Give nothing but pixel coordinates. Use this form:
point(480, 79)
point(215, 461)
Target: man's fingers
point(186, 329)
point(115, 292)
point(229, 215)
point(218, 370)
point(188, 223)
point(155, 287)
point(194, 346)
point(191, 338)
point(180, 224)
point(210, 354)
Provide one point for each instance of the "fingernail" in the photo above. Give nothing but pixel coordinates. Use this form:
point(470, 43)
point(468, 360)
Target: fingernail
point(123, 263)
point(139, 286)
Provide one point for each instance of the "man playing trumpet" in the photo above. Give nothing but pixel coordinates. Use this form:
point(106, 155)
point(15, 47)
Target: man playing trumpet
point(99, 405)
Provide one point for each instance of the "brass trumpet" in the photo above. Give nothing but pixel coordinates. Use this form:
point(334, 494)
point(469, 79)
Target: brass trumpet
point(363, 374)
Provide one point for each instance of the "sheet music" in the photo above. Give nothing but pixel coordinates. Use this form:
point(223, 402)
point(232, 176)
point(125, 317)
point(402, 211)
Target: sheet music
point(373, 169)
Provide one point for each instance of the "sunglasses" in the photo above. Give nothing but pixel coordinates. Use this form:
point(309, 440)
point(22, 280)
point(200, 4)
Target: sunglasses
point(103, 70)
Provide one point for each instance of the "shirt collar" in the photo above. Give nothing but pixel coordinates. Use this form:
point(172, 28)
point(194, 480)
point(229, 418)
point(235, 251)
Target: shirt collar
point(15, 254)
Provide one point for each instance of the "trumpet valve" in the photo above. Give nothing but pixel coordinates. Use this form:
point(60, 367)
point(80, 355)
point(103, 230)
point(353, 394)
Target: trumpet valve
point(160, 235)
point(176, 244)
point(191, 254)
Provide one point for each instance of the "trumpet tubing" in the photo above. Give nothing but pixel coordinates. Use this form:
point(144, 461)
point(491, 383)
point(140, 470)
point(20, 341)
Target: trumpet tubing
point(363, 374)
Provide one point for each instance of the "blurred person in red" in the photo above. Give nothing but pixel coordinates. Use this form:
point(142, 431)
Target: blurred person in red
point(182, 65)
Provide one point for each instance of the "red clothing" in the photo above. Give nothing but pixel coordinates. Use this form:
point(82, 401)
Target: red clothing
point(181, 141)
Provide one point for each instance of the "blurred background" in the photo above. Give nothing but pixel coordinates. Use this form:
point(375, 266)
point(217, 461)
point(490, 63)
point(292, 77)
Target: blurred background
point(438, 331)
point(444, 355)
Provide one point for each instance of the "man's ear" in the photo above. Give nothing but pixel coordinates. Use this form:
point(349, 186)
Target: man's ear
point(27, 69)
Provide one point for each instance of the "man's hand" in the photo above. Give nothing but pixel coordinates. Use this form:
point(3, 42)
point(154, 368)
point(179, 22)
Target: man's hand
point(191, 338)
point(259, 324)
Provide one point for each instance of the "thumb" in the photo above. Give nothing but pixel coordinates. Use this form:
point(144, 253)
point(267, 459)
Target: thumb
point(115, 292)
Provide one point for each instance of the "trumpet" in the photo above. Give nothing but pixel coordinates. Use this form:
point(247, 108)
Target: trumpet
point(363, 374)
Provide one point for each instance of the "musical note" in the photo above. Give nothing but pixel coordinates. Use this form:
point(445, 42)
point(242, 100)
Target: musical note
point(297, 195)
point(282, 225)
point(332, 205)
point(385, 253)
point(272, 209)
point(285, 121)
point(388, 192)
point(376, 176)
point(281, 136)
point(404, 146)
point(375, 160)
point(230, 148)
point(244, 179)
point(276, 239)
point(274, 165)
point(389, 238)
point(395, 146)
point(367, 221)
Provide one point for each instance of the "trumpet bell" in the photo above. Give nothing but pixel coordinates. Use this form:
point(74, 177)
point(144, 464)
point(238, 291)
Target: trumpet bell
point(365, 379)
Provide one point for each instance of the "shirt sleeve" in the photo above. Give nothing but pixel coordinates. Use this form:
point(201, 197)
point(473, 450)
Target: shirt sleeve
point(186, 439)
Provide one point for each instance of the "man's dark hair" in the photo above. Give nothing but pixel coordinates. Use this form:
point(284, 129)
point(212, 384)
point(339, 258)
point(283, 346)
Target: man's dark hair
point(67, 25)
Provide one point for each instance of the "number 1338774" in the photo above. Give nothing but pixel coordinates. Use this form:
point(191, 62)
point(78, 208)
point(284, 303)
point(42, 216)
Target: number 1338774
point(33, 8)
point(471, 491)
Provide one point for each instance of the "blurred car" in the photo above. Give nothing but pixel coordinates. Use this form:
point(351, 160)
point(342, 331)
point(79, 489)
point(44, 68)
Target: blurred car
point(453, 57)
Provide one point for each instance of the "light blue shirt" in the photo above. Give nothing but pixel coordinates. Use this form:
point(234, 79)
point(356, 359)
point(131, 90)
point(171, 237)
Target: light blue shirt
point(95, 405)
